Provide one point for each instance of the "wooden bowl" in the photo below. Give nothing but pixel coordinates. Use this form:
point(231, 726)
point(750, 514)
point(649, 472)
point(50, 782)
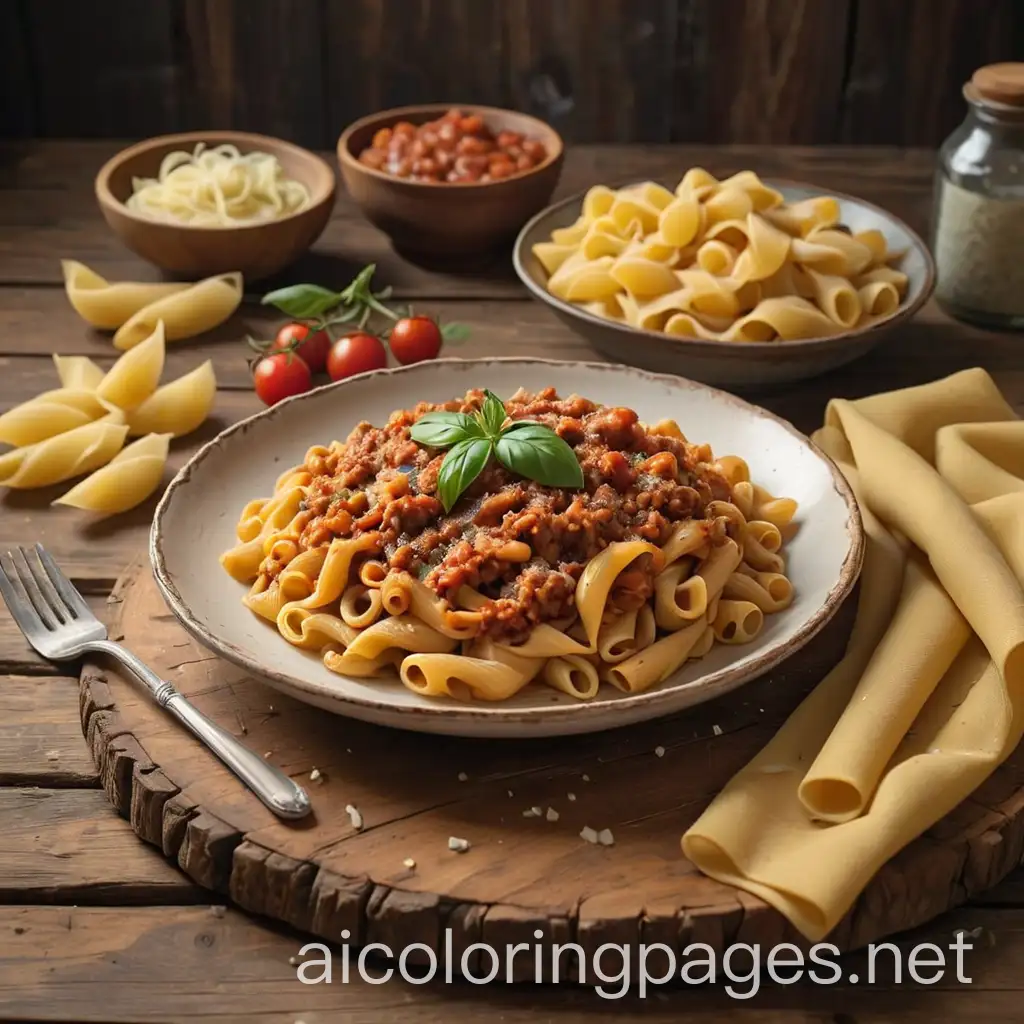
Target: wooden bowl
point(744, 365)
point(437, 218)
point(257, 250)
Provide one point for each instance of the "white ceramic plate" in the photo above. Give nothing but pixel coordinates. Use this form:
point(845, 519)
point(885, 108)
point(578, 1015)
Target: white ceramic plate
point(196, 520)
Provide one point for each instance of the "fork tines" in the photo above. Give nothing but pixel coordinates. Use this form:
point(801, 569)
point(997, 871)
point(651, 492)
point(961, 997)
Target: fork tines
point(34, 588)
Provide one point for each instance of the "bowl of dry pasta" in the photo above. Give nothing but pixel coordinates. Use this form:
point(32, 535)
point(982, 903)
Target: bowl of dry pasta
point(736, 282)
point(198, 204)
point(507, 547)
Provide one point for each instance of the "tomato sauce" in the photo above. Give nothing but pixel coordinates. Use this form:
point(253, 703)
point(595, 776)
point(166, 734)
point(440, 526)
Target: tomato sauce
point(638, 484)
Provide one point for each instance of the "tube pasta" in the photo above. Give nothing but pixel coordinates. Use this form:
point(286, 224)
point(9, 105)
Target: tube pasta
point(722, 261)
point(77, 372)
point(130, 477)
point(64, 456)
point(179, 407)
point(199, 308)
point(105, 305)
point(50, 414)
point(371, 598)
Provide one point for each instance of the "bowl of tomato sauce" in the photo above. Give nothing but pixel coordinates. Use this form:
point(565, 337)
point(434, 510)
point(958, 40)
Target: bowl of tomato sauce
point(450, 181)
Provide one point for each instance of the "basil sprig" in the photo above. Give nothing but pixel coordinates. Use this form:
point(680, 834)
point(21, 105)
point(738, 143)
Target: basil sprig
point(524, 447)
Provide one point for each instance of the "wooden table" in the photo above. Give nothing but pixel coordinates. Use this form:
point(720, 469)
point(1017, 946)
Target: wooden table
point(96, 926)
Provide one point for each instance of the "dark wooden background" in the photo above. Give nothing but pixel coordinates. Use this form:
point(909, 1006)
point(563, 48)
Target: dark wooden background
point(770, 71)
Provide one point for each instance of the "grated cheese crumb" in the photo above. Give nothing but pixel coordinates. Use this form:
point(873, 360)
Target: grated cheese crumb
point(510, 793)
point(659, 751)
point(531, 812)
point(605, 837)
point(218, 911)
point(588, 834)
point(354, 816)
point(458, 845)
point(552, 814)
point(717, 730)
point(462, 776)
point(269, 753)
point(315, 776)
point(409, 863)
point(53, 755)
point(571, 797)
point(586, 778)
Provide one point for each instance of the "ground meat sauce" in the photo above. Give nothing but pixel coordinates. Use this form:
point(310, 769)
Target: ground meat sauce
point(638, 483)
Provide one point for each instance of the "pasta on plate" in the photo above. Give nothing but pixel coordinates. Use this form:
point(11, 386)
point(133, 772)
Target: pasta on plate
point(722, 260)
point(662, 553)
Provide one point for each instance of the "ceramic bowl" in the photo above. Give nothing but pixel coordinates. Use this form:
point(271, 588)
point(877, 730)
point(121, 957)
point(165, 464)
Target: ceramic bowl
point(195, 522)
point(183, 250)
point(440, 219)
point(729, 363)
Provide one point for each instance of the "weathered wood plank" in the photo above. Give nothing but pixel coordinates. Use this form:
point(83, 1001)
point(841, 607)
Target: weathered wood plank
point(41, 734)
point(255, 65)
point(68, 846)
point(768, 71)
point(155, 964)
point(958, 36)
point(49, 212)
point(106, 74)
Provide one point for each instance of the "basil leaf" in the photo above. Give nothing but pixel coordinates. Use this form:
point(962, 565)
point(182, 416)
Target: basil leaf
point(443, 429)
point(454, 332)
point(492, 413)
point(302, 301)
point(538, 453)
point(461, 466)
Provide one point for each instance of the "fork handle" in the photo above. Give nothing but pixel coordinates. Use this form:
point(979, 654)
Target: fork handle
point(285, 797)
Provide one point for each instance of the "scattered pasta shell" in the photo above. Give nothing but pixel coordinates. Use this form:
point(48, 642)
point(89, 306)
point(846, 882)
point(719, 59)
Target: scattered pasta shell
point(108, 305)
point(78, 372)
point(49, 414)
point(135, 376)
point(126, 481)
point(199, 308)
point(64, 456)
point(179, 407)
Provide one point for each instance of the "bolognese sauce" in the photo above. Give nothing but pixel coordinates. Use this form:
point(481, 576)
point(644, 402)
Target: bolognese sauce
point(522, 545)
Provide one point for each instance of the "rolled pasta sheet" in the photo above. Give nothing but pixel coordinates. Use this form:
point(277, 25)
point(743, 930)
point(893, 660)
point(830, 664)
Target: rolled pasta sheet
point(573, 675)
point(313, 630)
point(599, 577)
point(460, 677)
point(656, 663)
point(679, 597)
point(197, 309)
point(297, 580)
point(734, 469)
point(360, 606)
point(402, 632)
point(836, 297)
point(767, 534)
point(643, 278)
point(736, 521)
point(108, 305)
point(884, 275)
point(879, 298)
point(77, 372)
point(717, 257)
point(787, 319)
point(779, 512)
point(551, 255)
point(766, 251)
point(718, 567)
point(703, 645)
point(135, 376)
point(334, 574)
point(760, 557)
point(130, 477)
point(743, 498)
point(64, 456)
point(396, 593)
point(803, 217)
point(737, 622)
point(242, 562)
point(372, 573)
point(617, 639)
point(179, 407)
point(681, 220)
point(344, 663)
point(457, 623)
point(50, 414)
point(770, 591)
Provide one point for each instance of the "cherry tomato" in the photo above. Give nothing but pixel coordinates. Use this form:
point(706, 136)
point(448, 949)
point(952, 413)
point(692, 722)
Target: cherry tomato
point(295, 337)
point(415, 338)
point(356, 353)
point(280, 376)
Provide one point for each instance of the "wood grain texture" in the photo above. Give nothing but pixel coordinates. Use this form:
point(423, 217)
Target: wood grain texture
point(522, 873)
point(777, 71)
point(904, 100)
point(62, 846)
point(40, 735)
point(202, 964)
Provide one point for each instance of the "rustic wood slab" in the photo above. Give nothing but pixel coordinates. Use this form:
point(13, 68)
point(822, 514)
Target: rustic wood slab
point(522, 873)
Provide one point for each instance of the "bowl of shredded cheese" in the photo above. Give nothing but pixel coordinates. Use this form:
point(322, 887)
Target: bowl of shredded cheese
point(203, 203)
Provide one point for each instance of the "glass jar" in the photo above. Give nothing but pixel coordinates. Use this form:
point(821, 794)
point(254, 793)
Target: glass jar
point(978, 218)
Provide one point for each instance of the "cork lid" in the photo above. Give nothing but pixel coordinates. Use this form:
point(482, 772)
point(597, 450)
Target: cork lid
point(999, 83)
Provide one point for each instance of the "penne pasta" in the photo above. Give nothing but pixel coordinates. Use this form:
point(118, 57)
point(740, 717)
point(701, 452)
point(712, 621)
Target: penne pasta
point(477, 599)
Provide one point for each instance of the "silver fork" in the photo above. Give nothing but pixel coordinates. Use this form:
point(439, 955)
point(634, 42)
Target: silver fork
point(58, 623)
